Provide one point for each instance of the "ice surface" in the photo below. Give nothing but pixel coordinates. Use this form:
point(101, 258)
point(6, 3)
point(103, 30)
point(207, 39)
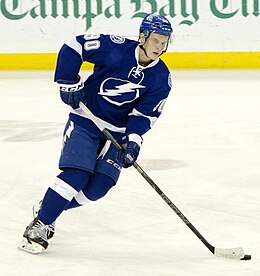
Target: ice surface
point(204, 153)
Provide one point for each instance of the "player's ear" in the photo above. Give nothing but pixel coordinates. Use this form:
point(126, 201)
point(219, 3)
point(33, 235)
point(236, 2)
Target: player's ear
point(141, 38)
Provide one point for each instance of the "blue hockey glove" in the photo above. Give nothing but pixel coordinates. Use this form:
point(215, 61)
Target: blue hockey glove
point(72, 93)
point(132, 148)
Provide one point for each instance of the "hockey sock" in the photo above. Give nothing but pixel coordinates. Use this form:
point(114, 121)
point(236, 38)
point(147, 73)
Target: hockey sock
point(79, 200)
point(61, 192)
point(97, 187)
point(52, 206)
point(73, 204)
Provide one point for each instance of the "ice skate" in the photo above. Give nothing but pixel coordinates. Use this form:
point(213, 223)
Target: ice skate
point(51, 227)
point(35, 237)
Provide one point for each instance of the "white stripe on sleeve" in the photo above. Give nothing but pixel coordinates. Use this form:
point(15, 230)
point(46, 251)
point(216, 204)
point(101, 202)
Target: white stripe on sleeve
point(75, 45)
point(137, 113)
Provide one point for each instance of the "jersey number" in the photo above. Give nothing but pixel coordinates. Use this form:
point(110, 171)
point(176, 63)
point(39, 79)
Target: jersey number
point(91, 42)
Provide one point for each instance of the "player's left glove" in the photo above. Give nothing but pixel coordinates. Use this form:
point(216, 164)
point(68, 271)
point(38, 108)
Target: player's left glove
point(132, 148)
point(72, 93)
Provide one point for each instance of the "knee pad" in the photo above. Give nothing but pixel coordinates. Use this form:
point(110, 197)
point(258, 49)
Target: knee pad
point(98, 186)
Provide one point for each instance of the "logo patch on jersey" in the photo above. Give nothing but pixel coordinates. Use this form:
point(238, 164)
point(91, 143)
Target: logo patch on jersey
point(136, 75)
point(119, 92)
point(117, 39)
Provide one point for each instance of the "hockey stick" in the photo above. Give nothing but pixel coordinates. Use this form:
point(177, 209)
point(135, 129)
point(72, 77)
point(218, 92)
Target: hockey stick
point(230, 253)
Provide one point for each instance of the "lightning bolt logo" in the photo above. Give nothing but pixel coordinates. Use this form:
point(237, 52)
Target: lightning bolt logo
point(121, 93)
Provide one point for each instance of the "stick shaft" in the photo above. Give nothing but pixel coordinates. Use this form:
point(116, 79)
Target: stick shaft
point(101, 126)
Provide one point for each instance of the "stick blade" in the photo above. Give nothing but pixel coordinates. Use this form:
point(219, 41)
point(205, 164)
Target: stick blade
point(236, 253)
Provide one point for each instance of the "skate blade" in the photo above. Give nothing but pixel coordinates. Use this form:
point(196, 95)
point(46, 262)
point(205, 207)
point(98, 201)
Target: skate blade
point(30, 247)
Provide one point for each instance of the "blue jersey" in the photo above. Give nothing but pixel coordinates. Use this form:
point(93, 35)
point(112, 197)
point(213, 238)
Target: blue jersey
point(128, 97)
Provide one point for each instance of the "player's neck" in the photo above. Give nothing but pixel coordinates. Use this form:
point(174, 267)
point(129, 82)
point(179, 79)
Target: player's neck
point(143, 60)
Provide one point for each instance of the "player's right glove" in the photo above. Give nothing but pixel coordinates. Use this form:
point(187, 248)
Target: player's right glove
point(72, 93)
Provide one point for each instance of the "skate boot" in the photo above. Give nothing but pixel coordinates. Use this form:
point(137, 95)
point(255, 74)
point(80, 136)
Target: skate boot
point(35, 237)
point(51, 227)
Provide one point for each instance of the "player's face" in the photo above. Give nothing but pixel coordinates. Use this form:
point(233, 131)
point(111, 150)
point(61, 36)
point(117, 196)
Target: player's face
point(155, 44)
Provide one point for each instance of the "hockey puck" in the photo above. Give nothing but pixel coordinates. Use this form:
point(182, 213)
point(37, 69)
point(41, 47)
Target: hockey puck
point(246, 258)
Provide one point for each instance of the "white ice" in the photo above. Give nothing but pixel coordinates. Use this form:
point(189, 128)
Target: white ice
point(203, 152)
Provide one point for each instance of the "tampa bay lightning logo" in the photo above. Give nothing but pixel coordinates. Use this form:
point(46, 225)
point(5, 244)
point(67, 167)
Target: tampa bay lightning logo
point(119, 92)
point(117, 39)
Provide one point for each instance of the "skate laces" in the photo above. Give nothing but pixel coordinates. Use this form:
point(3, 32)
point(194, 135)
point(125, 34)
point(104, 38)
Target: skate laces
point(49, 228)
point(38, 229)
point(38, 224)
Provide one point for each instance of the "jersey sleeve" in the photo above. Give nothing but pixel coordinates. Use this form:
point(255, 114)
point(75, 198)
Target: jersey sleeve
point(149, 107)
point(95, 49)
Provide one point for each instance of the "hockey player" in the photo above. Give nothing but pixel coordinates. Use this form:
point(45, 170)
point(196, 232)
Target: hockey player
point(127, 91)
